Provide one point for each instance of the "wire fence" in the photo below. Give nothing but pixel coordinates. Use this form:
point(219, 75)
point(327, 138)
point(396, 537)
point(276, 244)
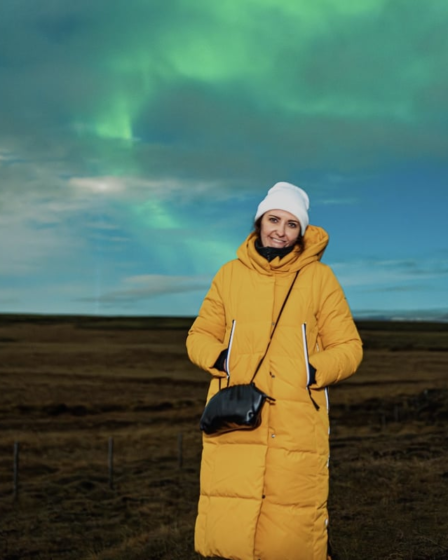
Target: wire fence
point(109, 462)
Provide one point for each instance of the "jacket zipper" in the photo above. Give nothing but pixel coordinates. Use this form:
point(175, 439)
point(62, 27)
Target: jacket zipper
point(307, 365)
point(232, 332)
point(327, 392)
point(327, 399)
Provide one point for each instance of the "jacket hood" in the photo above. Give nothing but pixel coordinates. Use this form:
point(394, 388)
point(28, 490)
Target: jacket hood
point(315, 241)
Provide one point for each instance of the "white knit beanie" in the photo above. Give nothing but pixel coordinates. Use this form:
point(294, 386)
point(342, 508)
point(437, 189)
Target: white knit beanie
point(284, 196)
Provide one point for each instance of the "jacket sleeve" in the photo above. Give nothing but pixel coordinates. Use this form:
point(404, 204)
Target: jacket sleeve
point(205, 340)
point(340, 344)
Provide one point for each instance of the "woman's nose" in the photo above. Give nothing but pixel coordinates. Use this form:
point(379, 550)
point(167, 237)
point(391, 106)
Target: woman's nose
point(281, 229)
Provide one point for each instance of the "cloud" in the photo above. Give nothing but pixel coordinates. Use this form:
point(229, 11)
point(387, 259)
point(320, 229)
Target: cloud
point(35, 235)
point(12, 300)
point(129, 187)
point(209, 99)
point(141, 288)
point(419, 288)
point(139, 141)
point(389, 274)
point(338, 201)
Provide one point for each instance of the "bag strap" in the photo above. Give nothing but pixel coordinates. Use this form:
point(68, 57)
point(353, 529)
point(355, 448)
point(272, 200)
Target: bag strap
point(275, 326)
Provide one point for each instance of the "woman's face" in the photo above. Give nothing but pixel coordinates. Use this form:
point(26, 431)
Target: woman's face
point(279, 229)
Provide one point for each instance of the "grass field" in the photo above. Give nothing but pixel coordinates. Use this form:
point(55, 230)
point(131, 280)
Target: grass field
point(68, 384)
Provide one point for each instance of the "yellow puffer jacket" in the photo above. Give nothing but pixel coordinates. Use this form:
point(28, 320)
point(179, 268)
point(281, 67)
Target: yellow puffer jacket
point(264, 492)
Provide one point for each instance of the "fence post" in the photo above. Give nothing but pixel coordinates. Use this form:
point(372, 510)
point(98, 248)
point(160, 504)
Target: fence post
point(180, 455)
point(16, 469)
point(111, 462)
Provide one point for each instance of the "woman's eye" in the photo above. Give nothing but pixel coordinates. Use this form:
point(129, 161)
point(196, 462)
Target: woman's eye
point(292, 225)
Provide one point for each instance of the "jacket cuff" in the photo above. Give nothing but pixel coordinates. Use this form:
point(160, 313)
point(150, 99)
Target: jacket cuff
point(219, 364)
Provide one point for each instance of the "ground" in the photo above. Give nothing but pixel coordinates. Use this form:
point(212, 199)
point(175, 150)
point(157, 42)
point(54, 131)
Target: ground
point(70, 387)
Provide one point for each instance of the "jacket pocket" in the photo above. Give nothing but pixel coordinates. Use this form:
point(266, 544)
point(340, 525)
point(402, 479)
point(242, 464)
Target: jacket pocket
point(229, 349)
point(310, 371)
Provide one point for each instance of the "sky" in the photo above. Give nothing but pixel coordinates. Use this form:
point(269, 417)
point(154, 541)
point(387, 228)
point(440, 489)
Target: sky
point(137, 138)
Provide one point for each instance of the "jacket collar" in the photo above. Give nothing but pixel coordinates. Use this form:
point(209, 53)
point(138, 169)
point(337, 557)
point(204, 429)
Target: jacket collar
point(269, 253)
point(315, 241)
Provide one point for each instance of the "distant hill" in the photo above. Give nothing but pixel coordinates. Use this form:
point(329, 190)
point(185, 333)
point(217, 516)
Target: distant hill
point(424, 315)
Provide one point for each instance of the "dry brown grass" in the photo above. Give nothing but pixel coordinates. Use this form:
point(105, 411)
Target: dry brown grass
point(68, 384)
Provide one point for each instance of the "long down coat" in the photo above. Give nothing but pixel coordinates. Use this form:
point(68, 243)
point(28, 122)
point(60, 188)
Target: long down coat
point(264, 492)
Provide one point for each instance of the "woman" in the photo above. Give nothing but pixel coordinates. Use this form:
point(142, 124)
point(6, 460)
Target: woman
point(264, 492)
